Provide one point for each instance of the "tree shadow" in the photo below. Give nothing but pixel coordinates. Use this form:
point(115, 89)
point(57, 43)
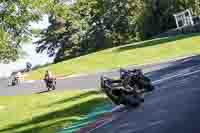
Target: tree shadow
point(82, 95)
point(77, 110)
point(154, 42)
point(41, 92)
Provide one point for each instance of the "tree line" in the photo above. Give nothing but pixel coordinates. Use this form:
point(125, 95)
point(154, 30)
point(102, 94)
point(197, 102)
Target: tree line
point(87, 25)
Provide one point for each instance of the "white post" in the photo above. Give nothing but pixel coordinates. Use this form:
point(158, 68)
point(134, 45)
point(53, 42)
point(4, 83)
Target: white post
point(184, 19)
point(190, 15)
point(176, 21)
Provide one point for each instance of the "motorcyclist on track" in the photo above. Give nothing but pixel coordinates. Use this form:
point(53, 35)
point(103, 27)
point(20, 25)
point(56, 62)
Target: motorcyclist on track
point(49, 78)
point(137, 77)
point(131, 86)
point(16, 78)
point(28, 66)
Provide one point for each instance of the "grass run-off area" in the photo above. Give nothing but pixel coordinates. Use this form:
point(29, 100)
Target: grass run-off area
point(46, 112)
point(150, 51)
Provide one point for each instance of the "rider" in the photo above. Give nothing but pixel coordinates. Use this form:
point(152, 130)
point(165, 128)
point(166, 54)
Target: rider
point(18, 76)
point(130, 78)
point(48, 77)
point(28, 66)
point(143, 82)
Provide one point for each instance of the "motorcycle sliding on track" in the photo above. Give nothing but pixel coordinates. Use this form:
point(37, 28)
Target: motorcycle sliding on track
point(129, 89)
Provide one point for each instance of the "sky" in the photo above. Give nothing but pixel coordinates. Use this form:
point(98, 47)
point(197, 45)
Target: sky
point(31, 55)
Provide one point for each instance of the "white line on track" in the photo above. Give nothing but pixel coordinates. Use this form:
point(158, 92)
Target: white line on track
point(156, 123)
point(175, 76)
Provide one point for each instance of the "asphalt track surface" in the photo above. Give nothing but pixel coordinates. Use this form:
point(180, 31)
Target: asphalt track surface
point(172, 108)
point(155, 72)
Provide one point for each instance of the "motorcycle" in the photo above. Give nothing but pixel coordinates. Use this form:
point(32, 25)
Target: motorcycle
point(119, 94)
point(13, 81)
point(136, 76)
point(50, 84)
point(129, 89)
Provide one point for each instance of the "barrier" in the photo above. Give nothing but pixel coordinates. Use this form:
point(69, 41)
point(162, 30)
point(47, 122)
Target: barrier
point(178, 31)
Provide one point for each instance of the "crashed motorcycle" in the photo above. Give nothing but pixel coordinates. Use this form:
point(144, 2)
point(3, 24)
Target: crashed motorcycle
point(129, 89)
point(136, 76)
point(119, 94)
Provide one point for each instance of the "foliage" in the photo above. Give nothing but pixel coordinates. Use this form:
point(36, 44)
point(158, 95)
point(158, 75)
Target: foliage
point(6, 51)
point(15, 17)
point(90, 25)
point(158, 15)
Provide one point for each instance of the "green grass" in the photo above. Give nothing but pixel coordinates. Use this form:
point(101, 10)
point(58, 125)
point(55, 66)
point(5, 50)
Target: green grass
point(47, 112)
point(150, 51)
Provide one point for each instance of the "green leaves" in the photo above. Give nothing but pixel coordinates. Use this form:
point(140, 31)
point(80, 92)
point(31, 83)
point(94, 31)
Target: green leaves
point(7, 51)
point(15, 17)
point(157, 16)
point(90, 25)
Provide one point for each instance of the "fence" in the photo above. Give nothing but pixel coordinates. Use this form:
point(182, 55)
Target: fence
point(184, 30)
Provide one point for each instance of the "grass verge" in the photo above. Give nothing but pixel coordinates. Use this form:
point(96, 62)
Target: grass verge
point(47, 112)
point(150, 51)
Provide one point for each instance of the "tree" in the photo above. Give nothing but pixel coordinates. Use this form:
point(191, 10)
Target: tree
point(90, 25)
point(158, 15)
point(15, 17)
point(7, 52)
